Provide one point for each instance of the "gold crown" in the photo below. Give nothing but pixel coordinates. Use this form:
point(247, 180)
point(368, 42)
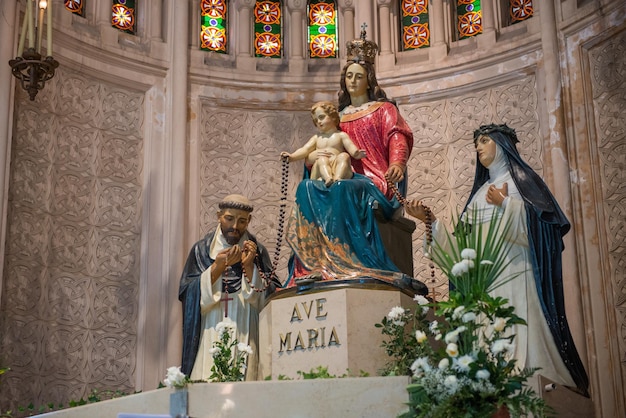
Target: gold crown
point(361, 50)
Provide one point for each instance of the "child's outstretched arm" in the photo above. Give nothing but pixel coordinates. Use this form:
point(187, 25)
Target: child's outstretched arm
point(303, 151)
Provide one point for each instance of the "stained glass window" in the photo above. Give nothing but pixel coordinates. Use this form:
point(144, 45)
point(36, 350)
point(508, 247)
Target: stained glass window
point(123, 15)
point(268, 29)
point(214, 20)
point(322, 15)
point(75, 6)
point(469, 18)
point(520, 10)
point(414, 24)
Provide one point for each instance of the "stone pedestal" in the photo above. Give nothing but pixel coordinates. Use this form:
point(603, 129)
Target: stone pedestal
point(331, 326)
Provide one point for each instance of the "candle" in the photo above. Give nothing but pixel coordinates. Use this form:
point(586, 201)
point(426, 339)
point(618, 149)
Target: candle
point(49, 35)
point(31, 29)
point(20, 46)
point(42, 9)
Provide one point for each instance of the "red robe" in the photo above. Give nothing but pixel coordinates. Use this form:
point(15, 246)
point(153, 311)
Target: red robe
point(380, 130)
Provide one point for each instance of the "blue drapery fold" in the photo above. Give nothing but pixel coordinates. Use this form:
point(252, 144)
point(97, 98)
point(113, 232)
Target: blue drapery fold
point(333, 230)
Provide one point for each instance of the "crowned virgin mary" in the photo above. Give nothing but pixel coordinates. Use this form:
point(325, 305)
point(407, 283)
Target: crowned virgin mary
point(333, 230)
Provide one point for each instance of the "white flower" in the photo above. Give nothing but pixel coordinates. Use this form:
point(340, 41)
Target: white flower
point(499, 324)
point(444, 363)
point(395, 315)
point(458, 312)
point(468, 253)
point(501, 345)
point(482, 374)
point(420, 336)
point(486, 262)
point(468, 317)
point(213, 351)
point(174, 378)
point(421, 300)
point(437, 337)
point(470, 263)
point(225, 326)
point(459, 268)
point(462, 363)
point(244, 348)
point(452, 337)
point(419, 366)
point(452, 350)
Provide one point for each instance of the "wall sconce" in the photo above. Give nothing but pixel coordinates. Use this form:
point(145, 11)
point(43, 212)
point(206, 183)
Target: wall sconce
point(32, 68)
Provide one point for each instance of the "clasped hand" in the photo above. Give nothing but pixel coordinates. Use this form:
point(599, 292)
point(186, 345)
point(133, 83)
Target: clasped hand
point(234, 255)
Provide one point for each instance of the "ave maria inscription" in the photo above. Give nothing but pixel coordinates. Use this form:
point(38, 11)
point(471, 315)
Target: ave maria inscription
point(307, 319)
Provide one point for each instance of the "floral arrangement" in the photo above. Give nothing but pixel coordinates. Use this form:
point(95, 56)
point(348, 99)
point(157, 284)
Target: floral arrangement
point(458, 352)
point(229, 358)
point(229, 355)
point(174, 378)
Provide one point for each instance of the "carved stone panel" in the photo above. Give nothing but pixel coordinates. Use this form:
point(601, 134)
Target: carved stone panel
point(70, 297)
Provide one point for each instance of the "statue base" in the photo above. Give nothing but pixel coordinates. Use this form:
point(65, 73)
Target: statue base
point(329, 324)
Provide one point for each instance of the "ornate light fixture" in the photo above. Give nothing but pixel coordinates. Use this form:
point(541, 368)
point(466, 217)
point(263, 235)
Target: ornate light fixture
point(32, 68)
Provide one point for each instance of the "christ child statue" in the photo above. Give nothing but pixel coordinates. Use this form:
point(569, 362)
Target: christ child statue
point(327, 152)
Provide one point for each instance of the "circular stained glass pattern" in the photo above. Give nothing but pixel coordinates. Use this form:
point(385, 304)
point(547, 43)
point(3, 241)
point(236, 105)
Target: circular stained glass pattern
point(213, 8)
point(413, 7)
point(321, 14)
point(323, 46)
point(267, 45)
point(123, 18)
point(267, 12)
point(74, 6)
point(470, 24)
point(521, 10)
point(416, 36)
point(213, 39)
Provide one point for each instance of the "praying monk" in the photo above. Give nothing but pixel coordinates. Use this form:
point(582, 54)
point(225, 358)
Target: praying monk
point(221, 279)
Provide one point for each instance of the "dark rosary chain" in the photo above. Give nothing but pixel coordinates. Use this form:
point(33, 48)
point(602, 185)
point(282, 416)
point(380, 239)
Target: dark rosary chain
point(429, 223)
point(267, 277)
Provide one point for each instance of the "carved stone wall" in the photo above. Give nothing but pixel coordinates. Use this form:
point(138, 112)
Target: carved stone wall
point(69, 309)
point(607, 64)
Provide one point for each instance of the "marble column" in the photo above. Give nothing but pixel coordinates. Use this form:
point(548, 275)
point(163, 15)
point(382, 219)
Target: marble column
point(155, 19)
point(297, 9)
point(487, 10)
point(103, 13)
point(437, 25)
point(245, 26)
point(347, 9)
point(384, 16)
point(8, 40)
point(160, 344)
point(364, 12)
point(556, 151)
